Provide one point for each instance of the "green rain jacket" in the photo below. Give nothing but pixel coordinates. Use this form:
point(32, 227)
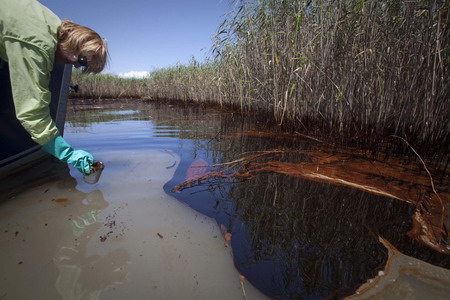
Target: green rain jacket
point(28, 41)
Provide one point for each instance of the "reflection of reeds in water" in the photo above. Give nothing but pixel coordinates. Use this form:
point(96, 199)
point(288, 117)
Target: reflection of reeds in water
point(385, 178)
point(320, 232)
point(317, 232)
point(302, 238)
point(312, 211)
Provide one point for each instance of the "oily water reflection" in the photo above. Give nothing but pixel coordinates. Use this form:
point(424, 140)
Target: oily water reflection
point(291, 237)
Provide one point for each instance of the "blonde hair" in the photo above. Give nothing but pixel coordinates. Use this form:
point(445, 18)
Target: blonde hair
point(82, 40)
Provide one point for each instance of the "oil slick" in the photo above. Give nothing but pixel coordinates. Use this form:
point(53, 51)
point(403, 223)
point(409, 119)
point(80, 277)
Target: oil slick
point(404, 276)
point(196, 169)
point(387, 177)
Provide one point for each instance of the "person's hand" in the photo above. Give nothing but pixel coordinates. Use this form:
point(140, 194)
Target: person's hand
point(80, 159)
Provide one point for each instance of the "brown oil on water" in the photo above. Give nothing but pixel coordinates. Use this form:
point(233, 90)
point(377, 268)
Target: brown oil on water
point(427, 199)
point(388, 177)
point(292, 216)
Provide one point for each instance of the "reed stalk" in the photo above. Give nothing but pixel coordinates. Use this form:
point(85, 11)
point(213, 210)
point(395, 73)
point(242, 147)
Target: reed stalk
point(360, 71)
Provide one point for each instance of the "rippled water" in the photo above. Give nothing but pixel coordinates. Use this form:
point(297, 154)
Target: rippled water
point(312, 234)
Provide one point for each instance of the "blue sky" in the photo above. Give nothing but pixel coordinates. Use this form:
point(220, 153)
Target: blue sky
point(143, 35)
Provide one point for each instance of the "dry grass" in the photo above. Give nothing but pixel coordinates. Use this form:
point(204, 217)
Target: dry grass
point(359, 71)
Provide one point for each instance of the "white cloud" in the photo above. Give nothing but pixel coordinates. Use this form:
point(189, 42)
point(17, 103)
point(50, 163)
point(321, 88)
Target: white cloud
point(135, 74)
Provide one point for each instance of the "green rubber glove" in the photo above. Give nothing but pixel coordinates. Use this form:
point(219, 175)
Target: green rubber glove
point(59, 148)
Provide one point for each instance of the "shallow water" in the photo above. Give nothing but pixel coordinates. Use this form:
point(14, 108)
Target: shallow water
point(292, 236)
point(120, 238)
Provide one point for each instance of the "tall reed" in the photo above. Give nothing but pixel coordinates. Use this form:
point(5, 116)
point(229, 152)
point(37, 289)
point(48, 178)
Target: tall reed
point(362, 71)
point(359, 69)
point(108, 86)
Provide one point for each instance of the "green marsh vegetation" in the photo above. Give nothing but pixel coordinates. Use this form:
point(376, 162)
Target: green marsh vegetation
point(359, 71)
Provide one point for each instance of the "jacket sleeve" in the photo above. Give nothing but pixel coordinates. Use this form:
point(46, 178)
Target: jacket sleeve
point(29, 68)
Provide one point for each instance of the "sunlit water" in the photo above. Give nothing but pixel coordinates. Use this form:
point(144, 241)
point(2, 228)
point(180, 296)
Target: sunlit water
point(132, 235)
point(122, 238)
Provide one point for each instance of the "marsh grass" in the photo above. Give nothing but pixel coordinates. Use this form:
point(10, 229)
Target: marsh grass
point(106, 86)
point(360, 71)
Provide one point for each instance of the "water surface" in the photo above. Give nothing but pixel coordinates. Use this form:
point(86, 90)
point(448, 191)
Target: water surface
point(301, 221)
point(122, 237)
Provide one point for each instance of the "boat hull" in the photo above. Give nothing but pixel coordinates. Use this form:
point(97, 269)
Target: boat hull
point(17, 149)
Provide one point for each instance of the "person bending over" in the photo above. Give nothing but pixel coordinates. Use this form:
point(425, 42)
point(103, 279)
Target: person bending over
point(32, 39)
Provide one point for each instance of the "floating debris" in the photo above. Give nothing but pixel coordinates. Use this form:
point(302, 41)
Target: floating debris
point(112, 226)
point(60, 200)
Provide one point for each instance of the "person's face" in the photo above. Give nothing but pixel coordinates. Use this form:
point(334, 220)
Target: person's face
point(67, 57)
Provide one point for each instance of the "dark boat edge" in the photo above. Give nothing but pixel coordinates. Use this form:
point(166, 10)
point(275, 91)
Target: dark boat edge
point(18, 150)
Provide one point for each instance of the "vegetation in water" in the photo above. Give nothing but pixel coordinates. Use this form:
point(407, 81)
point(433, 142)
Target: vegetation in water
point(303, 219)
point(361, 71)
